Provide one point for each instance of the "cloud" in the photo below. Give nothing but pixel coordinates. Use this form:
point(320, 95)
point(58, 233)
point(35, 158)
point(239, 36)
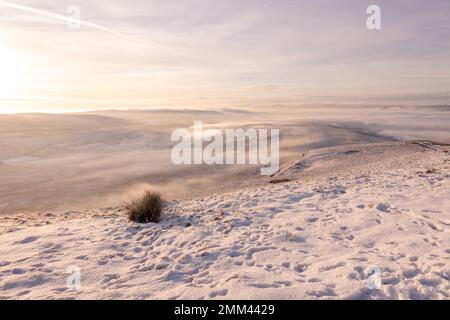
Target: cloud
point(176, 51)
point(45, 13)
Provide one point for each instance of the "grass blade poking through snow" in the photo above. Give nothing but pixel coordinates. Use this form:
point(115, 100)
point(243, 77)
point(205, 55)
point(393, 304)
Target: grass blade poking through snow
point(145, 208)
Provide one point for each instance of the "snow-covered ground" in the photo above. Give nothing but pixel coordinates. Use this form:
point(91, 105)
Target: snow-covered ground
point(349, 214)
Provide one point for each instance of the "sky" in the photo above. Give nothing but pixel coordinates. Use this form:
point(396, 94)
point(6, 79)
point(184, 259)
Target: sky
point(208, 53)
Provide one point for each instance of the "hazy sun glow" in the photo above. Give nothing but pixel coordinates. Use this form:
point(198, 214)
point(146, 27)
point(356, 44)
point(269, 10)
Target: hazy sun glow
point(12, 73)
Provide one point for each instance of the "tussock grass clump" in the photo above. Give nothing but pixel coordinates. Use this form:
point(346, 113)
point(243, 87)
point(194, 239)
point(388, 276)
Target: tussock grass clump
point(146, 208)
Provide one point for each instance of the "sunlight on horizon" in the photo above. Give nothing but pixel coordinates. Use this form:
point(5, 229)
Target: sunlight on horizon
point(242, 55)
point(12, 72)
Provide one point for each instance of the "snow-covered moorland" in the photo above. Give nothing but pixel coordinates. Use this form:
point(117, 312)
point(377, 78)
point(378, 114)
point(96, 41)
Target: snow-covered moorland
point(346, 214)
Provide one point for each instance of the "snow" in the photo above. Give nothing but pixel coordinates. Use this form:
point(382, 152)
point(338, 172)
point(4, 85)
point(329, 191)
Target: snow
point(384, 207)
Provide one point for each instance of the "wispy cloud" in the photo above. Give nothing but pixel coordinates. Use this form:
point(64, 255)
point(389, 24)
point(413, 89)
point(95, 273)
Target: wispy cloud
point(177, 51)
point(12, 5)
